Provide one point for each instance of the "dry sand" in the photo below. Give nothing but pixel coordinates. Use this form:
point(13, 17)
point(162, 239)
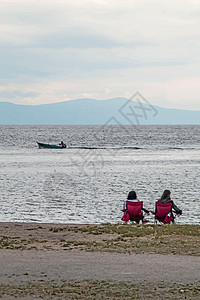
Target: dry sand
point(21, 266)
point(40, 253)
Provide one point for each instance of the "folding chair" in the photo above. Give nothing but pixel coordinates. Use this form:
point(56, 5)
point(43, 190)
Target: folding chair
point(134, 212)
point(164, 213)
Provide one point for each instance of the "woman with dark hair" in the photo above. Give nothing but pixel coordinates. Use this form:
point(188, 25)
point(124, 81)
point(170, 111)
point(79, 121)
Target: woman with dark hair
point(132, 197)
point(166, 197)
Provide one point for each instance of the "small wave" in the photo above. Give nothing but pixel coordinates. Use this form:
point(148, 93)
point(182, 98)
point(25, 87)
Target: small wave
point(106, 148)
point(181, 148)
point(176, 148)
point(133, 148)
point(87, 148)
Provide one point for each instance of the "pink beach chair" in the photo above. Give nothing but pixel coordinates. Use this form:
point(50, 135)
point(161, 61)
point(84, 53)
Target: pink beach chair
point(164, 213)
point(134, 212)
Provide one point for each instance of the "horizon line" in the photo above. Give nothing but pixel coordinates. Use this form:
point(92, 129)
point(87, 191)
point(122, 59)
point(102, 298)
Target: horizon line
point(68, 100)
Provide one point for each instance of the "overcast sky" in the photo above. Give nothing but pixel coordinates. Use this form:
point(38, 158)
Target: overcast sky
point(55, 50)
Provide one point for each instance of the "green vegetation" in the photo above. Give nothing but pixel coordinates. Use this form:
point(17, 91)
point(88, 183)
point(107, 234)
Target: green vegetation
point(102, 290)
point(16, 243)
point(120, 238)
point(165, 239)
point(129, 230)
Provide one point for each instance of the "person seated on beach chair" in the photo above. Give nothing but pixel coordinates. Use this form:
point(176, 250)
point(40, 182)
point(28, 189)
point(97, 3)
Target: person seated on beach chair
point(165, 209)
point(133, 209)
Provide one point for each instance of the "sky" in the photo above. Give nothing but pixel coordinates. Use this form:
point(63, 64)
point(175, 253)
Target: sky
point(58, 50)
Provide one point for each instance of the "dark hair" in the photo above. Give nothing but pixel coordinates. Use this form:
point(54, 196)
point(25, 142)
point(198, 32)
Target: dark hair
point(166, 195)
point(132, 195)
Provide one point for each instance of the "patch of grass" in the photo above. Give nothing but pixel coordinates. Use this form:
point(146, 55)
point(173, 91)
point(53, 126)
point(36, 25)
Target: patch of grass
point(127, 230)
point(102, 290)
point(83, 245)
point(121, 238)
point(137, 245)
point(59, 229)
point(15, 243)
point(129, 238)
point(9, 243)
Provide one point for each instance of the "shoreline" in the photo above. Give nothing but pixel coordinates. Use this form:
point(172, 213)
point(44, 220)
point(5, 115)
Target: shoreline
point(119, 238)
point(66, 261)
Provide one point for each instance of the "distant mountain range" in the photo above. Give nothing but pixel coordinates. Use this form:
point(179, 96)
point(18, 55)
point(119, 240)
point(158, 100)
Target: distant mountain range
point(113, 111)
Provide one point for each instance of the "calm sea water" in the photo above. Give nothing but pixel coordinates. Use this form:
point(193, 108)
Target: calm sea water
point(88, 181)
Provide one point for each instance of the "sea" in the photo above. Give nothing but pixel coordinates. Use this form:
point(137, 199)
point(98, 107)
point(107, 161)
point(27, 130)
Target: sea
point(87, 182)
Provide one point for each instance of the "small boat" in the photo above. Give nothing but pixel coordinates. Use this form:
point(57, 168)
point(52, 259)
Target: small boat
point(61, 146)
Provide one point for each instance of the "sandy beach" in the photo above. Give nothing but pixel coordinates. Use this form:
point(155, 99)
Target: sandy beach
point(59, 261)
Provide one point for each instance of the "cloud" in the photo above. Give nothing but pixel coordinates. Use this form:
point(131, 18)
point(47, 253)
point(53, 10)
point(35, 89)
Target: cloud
point(75, 40)
point(15, 94)
point(93, 44)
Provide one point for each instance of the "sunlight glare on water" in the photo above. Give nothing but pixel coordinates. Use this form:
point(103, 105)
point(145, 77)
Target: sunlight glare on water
point(88, 181)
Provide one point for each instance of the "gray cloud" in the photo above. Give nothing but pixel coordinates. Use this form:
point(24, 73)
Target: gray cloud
point(8, 94)
point(24, 64)
point(75, 40)
point(120, 41)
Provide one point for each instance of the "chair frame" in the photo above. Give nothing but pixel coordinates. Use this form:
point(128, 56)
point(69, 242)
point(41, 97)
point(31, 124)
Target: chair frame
point(164, 213)
point(135, 211)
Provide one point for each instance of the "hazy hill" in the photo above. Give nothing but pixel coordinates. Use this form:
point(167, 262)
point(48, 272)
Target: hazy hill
point(91, 111)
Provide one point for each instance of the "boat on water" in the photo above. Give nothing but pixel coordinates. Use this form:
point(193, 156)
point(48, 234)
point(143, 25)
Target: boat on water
point(49, 146)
